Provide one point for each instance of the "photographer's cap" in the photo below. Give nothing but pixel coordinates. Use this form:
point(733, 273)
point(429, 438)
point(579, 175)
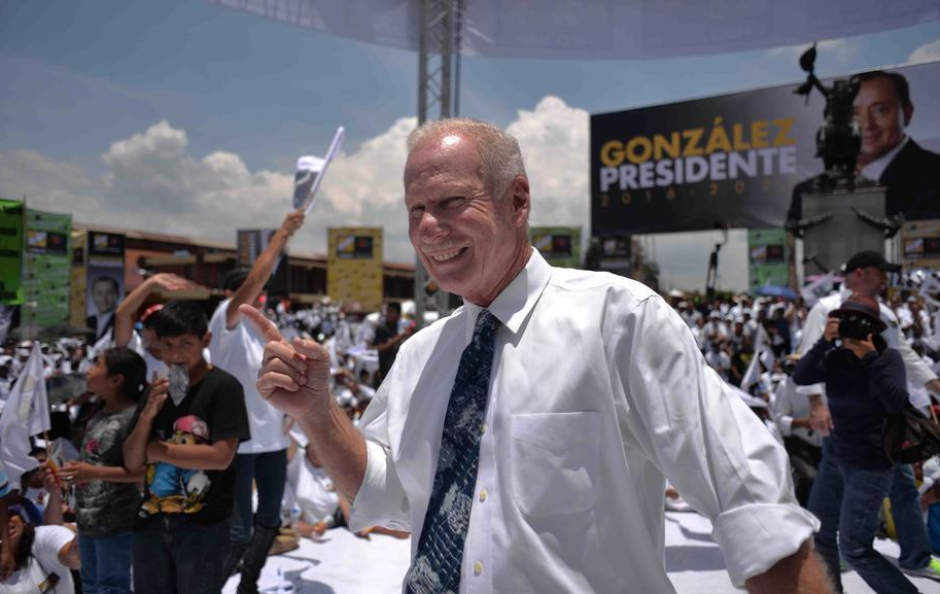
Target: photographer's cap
point(870, 258)
point(861, 304)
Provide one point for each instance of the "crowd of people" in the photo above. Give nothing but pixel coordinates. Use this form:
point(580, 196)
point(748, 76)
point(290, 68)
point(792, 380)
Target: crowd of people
point(195, 428)
point(753, 343)
point(159, 418)
point(825, 396)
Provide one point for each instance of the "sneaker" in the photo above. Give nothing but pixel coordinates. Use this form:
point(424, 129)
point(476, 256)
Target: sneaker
point(930, 571)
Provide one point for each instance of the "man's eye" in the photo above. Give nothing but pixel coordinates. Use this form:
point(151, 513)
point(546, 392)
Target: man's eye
point(416, 211)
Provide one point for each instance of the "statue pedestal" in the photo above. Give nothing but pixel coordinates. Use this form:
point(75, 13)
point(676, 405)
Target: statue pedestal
point(845, 233)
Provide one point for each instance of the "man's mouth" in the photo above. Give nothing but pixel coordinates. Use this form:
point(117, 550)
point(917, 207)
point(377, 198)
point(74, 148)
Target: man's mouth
point(445, 256)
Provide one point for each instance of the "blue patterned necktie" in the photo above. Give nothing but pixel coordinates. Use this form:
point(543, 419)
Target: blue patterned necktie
point(436, 568)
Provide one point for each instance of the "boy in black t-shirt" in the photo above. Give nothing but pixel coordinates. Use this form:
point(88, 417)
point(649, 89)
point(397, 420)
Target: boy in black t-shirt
point(187, 439)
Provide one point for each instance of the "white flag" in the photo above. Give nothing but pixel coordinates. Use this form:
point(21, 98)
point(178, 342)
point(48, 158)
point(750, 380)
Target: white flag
point(817, 289)
point(929, 286)
point(761, 351)
point(310, 172)
point(26, 413)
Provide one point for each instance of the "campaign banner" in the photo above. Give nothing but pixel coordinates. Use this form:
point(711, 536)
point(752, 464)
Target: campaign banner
point(616, 253)
point(560, 246)
point(105, 246)
point(250, 244)
point(767, 257)
point(104, 281)
point(354, 266)
point(734, 160)
point(46, 282)
point(920, 244)
point(12, 223)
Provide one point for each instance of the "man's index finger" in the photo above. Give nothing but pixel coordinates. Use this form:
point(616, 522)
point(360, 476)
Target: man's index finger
point(264, 325)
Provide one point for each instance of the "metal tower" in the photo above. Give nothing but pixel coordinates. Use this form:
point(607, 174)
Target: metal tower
point(438, 97)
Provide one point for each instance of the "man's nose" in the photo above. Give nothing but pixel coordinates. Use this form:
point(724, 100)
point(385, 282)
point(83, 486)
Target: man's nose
point(431, 228)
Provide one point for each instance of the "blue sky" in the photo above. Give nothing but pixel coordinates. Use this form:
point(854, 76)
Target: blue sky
point(157, 115)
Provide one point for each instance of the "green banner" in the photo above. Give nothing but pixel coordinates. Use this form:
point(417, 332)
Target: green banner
point(560, 246)
point(48, 262)
point(767, 257)
point(11, 252)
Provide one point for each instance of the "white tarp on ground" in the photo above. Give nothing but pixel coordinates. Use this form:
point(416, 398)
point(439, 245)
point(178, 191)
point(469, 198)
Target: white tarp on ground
point(604, 29)
point(344, 564)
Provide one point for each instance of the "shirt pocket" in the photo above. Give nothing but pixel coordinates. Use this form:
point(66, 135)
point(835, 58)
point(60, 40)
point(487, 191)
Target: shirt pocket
point(555, 462)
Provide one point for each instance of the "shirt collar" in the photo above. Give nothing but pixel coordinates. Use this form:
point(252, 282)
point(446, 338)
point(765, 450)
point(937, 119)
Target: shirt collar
point(876, 168)
point(512, 306)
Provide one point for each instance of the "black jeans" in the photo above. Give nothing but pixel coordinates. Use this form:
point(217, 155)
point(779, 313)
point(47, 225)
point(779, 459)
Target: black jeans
point(174, 555)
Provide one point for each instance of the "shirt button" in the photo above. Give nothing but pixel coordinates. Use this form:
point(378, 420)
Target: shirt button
point(482, 495)
point(482, 428)
point(477, 568)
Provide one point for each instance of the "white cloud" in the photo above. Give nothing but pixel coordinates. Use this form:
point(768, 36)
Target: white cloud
point(929, 52)
point(46, 184)
point(554, 142)
point(153, 183)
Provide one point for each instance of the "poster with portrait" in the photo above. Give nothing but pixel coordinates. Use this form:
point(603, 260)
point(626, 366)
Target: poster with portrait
point(735, 160)
point(104, 288)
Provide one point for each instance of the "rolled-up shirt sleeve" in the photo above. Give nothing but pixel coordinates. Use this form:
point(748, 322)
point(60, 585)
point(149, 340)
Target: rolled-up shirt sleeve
point(707, 443)
point(781, 410)
point(381, 500)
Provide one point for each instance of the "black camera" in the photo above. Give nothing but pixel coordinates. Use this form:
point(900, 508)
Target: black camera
point(857, 326)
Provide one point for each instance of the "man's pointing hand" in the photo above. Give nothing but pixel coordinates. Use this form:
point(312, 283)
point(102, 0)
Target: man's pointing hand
point(294, 376)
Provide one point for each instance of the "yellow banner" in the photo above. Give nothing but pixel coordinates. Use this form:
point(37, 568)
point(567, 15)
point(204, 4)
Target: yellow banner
point(78, 278)
point(354, 267)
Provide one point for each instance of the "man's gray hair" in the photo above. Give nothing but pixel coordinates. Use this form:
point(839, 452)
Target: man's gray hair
point(500, 157)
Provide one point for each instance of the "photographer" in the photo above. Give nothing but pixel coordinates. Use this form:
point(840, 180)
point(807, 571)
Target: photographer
point(865, 382)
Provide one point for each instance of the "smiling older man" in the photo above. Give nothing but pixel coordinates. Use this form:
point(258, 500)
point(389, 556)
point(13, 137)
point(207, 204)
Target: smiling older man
point(524, 440)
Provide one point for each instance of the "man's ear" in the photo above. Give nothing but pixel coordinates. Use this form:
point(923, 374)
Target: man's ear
point(520, 201)
point(206, 339)
point(908, 111)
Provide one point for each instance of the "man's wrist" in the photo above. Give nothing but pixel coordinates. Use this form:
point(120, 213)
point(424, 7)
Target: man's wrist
point(315, 419)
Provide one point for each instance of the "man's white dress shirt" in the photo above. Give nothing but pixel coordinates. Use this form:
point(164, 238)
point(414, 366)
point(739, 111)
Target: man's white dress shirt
point(788, 404)
point(598, 392)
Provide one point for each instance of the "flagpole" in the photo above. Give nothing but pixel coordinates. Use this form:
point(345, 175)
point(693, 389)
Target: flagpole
point(51, 463)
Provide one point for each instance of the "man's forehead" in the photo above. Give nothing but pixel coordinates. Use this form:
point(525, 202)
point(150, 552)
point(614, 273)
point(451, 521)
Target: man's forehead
point(449, 154)
point(877, 89)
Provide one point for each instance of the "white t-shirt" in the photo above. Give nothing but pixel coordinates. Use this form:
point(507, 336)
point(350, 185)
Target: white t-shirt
point(43, 565)
point(136, 344)
point(312, 490)
point(239, 351)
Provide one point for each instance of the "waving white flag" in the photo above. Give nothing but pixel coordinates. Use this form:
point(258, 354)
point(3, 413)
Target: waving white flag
point(818, 289)
point(310, 171)
point(26, 413)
